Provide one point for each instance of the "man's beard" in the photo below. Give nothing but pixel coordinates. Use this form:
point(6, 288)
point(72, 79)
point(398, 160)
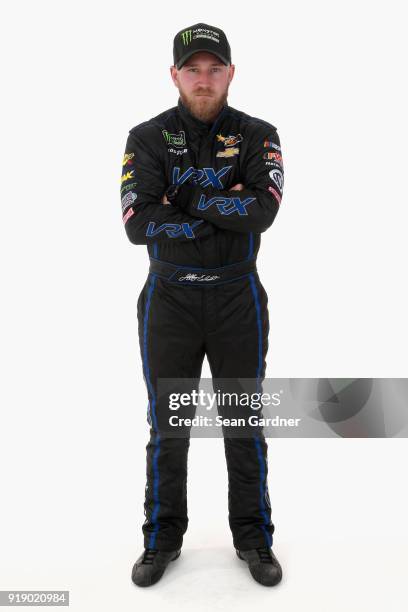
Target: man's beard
point(204, 107)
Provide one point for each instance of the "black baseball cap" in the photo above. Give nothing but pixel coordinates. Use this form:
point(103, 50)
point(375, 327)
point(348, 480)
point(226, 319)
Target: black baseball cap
point(200, 37)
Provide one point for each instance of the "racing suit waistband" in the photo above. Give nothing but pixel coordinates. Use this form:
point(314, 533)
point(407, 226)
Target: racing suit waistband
point(184, 275)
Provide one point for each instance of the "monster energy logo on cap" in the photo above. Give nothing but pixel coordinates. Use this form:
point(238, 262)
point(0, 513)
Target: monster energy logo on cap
point(198, 38)
point(177, 140)
point(186, 36)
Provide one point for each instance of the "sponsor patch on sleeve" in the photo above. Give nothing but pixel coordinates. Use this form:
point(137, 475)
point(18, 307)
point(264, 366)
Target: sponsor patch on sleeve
point(277, 177)
point(127, 216)
point(127, 159)
point(127, 176)
point(275, 193)
point(273, 156)
point(268, 144)
point(126, 188)
point(128, 199)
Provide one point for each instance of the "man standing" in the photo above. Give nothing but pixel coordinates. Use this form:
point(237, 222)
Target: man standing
point(200, 183)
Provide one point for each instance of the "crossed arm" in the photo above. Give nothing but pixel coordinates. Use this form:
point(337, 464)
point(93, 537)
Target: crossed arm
point(250, 206)
point(254, 208)
point(237, 187)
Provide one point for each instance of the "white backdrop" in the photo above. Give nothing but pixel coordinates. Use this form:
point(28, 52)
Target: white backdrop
point(76, 76)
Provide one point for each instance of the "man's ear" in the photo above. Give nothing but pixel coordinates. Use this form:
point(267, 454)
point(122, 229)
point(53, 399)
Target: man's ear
point(173, 72)
point(231, 72)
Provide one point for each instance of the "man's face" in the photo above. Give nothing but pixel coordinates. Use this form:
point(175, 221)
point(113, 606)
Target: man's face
point(203, 83)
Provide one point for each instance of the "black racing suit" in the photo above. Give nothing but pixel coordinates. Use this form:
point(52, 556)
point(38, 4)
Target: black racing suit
point(203, 295)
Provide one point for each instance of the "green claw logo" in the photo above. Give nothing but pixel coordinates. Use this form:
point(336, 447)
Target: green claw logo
point(186, 36)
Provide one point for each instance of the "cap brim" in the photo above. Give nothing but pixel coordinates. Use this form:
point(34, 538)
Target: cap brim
point(185, 57)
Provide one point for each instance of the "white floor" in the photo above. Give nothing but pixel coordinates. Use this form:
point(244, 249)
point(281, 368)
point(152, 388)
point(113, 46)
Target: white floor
point(352, 575)
point(339, 507)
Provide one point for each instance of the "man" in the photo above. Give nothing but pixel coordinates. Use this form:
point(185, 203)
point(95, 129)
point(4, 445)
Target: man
point(200, 183)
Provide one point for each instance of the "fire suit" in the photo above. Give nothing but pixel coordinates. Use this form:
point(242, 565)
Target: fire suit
point(203, 295)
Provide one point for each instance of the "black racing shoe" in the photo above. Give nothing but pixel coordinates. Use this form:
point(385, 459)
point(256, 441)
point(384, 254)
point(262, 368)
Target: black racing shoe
point(263, 565)
point(151, 565)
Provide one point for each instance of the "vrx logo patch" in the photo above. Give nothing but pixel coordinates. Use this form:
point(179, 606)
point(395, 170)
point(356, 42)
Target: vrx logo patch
point(173, 230)
point(226, 206)
point(204, 177)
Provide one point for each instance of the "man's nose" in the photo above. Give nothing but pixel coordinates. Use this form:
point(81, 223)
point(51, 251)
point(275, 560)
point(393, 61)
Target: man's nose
point(204, 78)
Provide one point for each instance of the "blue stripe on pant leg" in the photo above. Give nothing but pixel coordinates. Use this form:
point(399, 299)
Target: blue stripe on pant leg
point(259, 325)
point(262, 472)
point(156, 508)
point(145, 354)
point(156, 479)
point(261, 460)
